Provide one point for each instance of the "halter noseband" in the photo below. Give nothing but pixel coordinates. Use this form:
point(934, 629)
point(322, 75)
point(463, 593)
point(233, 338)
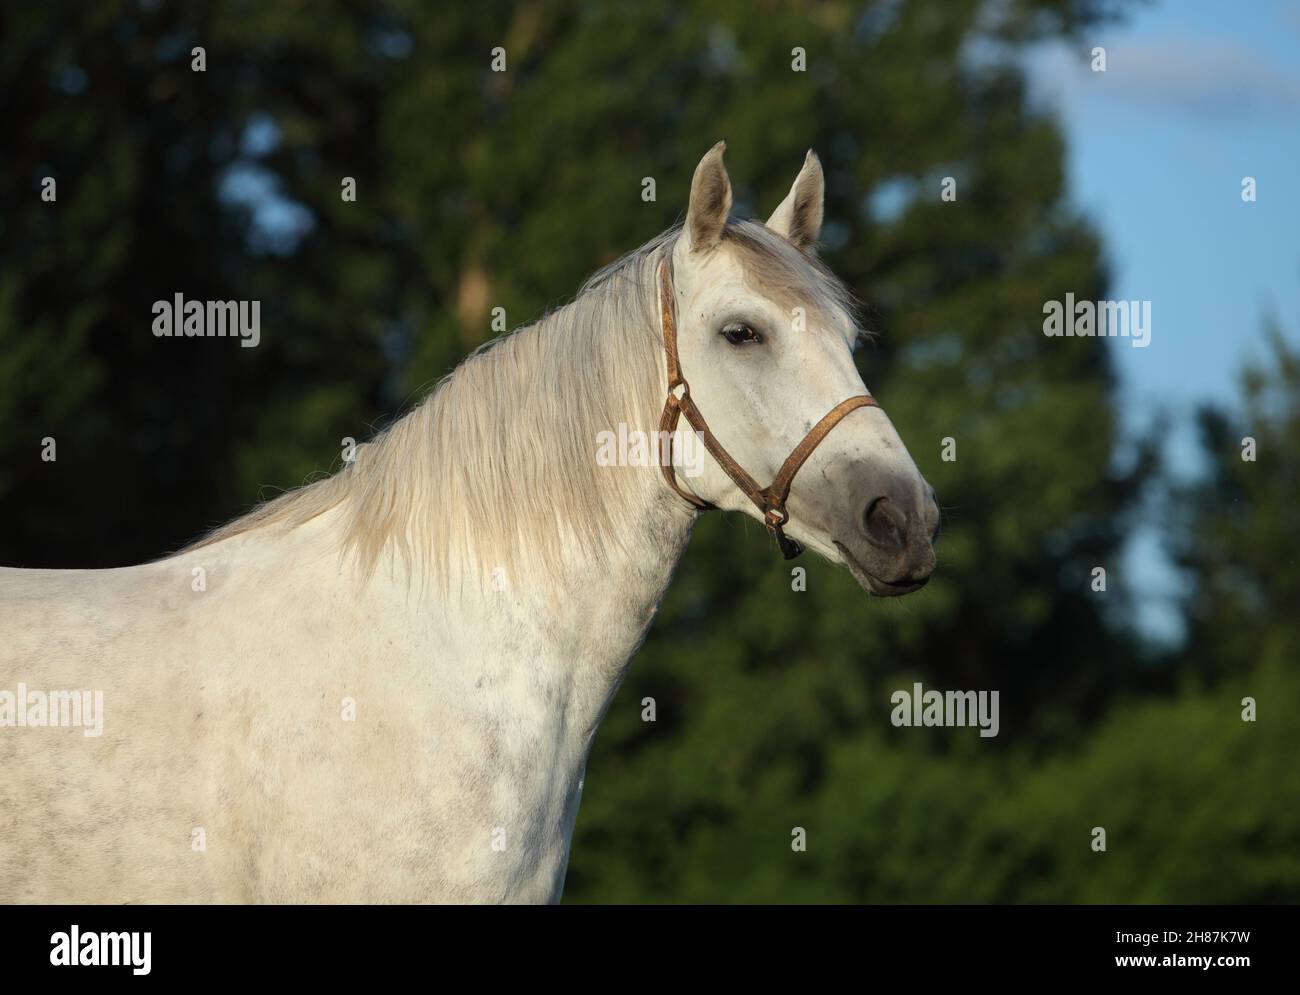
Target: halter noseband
point(770, 499)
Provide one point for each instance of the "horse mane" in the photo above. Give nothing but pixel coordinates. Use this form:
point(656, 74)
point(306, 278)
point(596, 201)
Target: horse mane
point(495, 468)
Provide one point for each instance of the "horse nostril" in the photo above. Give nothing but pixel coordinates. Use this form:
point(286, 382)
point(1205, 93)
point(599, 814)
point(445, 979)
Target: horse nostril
point(886, 526)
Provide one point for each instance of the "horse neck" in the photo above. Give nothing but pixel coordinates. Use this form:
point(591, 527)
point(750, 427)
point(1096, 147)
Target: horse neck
point(605, 613)
point(588, 613)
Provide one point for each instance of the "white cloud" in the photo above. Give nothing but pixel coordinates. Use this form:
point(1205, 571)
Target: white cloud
point(1205, 78)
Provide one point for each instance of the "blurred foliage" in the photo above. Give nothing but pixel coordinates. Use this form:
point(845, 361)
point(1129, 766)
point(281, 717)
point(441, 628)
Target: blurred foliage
point(478, 189)
point(1236, 530)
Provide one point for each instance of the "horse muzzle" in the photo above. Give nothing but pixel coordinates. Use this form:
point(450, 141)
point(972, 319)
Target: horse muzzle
point(890, 552)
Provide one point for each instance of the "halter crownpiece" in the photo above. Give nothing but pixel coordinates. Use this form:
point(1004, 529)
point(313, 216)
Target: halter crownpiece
point(771, 499)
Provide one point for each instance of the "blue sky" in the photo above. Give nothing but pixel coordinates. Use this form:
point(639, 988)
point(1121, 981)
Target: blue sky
point(1195, 96)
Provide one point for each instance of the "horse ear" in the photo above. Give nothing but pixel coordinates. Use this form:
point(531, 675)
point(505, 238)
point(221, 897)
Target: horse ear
point(799, 216)
point(710, 201)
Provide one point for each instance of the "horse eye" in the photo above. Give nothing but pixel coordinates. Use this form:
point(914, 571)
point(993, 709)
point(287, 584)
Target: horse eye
point(737, 334)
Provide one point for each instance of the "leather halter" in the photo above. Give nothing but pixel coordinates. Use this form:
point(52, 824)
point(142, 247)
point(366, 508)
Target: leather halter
point(770, 499)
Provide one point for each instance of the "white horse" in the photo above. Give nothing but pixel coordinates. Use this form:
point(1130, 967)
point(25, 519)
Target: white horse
point(383, 687)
